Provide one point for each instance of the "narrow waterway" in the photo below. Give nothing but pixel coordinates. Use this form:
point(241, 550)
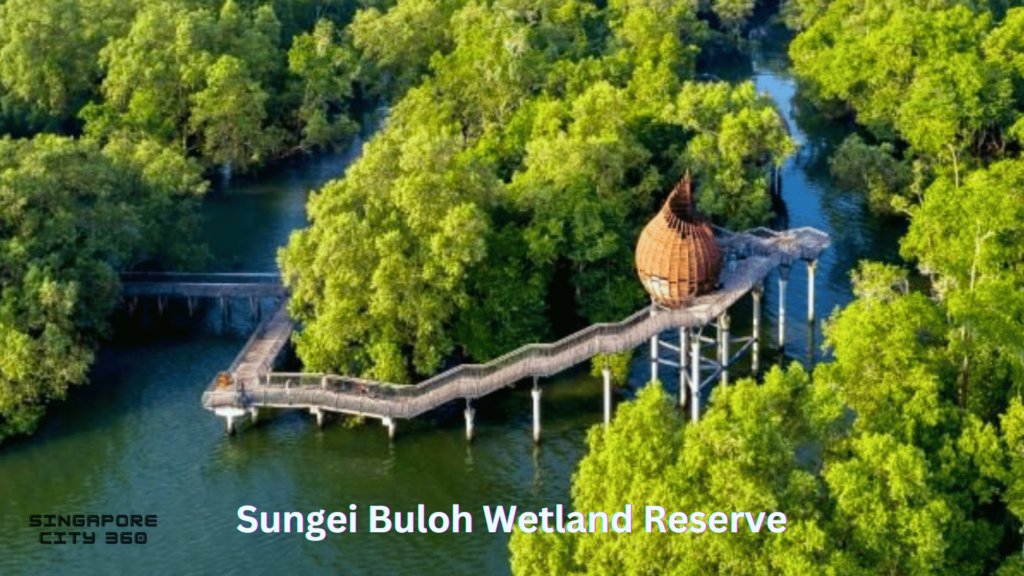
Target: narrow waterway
point(137, 440)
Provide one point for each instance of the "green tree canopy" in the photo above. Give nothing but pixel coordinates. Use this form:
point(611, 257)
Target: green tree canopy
point(534, 129)
point(71, 217)
point(49, 51)
point(327, 68)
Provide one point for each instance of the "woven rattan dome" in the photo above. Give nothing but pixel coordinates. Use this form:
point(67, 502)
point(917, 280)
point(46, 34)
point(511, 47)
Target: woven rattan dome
point(677, 256)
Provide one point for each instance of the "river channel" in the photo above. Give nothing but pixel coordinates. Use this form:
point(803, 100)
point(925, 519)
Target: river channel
point(136, 440)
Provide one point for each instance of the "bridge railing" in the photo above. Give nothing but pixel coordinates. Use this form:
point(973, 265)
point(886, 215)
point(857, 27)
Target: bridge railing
point(760, 249)
point(203, 277)
point(476, 380)
point(202, 285)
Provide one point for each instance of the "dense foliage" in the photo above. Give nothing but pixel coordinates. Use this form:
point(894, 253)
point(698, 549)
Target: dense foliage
point(118, 108)
point(903, 454)
point(528, 144)
point(229, 82)
point(938, 88)
point(72, 216)
point(944, 121)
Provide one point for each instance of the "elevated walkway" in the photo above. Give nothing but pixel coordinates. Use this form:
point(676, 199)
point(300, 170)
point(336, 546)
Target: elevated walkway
point(750, 257)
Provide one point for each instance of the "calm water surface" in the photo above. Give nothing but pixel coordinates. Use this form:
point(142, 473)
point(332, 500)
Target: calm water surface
point(137, 440)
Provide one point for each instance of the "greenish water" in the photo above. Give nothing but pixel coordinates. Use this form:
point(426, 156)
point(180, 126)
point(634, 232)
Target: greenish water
point(137, 440)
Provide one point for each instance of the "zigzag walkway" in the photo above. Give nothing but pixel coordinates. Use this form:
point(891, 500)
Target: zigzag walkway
point(750, 257)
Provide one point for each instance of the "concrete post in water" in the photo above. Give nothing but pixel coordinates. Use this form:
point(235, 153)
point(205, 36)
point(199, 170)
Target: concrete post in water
point(319, 416)
point(723, 340)
point(607, 373)
point(783, 282)
point(254, 413)
point(755, 360)
point(695, 376)
point(225, 310)
point(229, 413)
point(191, 305)
point(390, 423)
point(810, 345)
point(536, 411)
point(653, 353)
point(684, 350)
point(469, 413)
point(654, 357)
point(161, 303)
point(812, 267)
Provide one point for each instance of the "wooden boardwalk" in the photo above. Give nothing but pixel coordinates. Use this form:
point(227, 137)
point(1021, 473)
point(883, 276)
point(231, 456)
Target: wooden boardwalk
point(263, 350)
point(750, 257)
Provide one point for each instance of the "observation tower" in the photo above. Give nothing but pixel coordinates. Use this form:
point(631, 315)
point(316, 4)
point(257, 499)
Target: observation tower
point(695, 272)
point(677, 256)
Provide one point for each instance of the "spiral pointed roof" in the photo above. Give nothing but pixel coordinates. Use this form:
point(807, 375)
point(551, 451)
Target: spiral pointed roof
point(677, 257)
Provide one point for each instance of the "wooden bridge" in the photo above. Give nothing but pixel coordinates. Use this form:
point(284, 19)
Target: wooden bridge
point(223, 286)
point(750, 257)
point(202, 285)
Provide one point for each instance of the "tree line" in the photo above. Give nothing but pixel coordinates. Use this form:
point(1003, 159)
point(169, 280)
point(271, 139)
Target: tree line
point(227, 82)
point(903, 455)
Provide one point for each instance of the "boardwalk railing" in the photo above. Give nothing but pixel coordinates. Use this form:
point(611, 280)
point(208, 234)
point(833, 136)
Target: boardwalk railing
point(384, 400)
point(264, 347)
point(750, 257)
point(203, 285)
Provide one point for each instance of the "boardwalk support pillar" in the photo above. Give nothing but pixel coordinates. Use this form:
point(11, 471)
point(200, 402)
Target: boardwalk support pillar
point(783, 282)
point(607, 373)
point(225, 310)
point(812, 267)
point(469, 413)
point(229, 414)
point(695, 376)
point(536, 411)
point(684, 350)
point(254, 304)
point(654, 358)
point(191, 305)
point(755, 361)
point(319, 413)
point(654, 353)
point(254, 413)
point(723, 341)
point(390, 423)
